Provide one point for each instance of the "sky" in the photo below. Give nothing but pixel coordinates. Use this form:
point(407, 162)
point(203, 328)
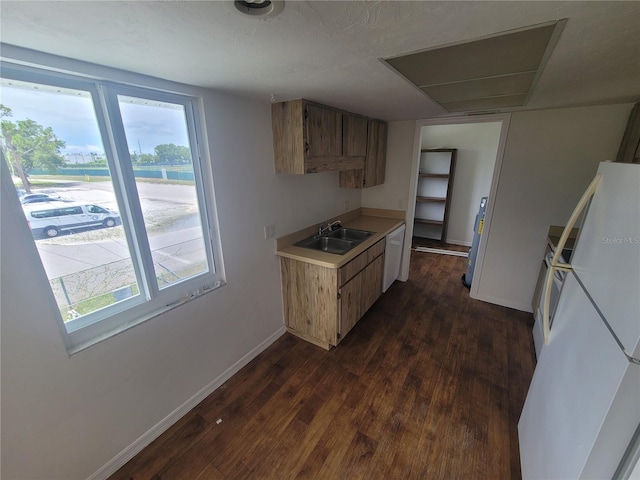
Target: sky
point(71, 115)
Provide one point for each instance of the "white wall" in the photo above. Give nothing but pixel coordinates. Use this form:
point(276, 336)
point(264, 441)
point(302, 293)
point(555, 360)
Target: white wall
point(477, 145)
point(393, 194)
point(550, 158)
point(66, 417)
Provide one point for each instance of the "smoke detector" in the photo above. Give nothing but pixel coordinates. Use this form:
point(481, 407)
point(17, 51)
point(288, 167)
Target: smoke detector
point(259, 8)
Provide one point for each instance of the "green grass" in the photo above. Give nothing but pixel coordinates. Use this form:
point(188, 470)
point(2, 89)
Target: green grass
point(44, 181)
point(92, 304)
point(48, 180)
point(101, 301)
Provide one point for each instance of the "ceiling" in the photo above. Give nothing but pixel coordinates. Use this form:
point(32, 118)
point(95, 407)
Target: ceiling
point(330, 51)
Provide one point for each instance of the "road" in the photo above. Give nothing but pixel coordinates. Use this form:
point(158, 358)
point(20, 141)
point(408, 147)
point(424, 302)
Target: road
point(171, 218)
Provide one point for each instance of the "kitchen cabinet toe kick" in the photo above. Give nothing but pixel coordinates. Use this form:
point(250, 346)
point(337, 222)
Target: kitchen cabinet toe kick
point(310, 339)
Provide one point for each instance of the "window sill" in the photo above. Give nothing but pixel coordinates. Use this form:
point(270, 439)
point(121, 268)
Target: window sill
point(74, 349)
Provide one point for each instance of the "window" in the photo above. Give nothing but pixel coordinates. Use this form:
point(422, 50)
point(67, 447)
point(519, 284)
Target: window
point(96, 209)
point(130, 229)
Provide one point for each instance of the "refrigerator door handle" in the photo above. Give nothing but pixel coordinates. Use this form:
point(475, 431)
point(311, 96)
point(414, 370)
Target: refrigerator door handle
point(555, 262)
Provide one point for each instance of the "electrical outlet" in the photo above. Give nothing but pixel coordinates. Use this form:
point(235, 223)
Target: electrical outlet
point(269, 231)
point(400, 203)
point(346, 205)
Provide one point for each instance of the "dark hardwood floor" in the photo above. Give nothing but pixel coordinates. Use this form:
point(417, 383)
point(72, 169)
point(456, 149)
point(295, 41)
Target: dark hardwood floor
point(430, 243)
point(428, 385)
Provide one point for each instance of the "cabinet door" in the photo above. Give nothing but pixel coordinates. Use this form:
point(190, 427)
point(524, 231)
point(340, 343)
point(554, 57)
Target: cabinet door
point(310, 294)
point(372, 283)
point(375, 163)
point(357, 295)
point(375, 159)
point(354, 136)
point(288, 136)
point(323, 129)
point(350, 304)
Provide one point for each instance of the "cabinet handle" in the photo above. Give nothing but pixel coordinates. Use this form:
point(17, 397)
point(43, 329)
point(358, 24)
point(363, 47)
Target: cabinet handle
point(555, 261)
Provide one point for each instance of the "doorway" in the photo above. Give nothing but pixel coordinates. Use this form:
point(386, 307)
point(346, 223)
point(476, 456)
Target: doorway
point(480, 142)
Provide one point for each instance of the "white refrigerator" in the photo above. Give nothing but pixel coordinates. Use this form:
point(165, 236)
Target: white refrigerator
point(582, 410)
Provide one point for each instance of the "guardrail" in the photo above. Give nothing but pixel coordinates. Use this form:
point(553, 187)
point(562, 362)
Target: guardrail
point(161, 173)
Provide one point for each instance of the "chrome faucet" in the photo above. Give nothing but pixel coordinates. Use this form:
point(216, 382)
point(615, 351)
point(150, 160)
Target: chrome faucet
point(323, 228)
point(328, 227)
point(335, 225)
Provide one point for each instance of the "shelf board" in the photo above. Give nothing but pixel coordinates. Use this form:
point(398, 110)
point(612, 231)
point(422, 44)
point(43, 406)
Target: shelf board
point(434, 175)
point(431, 199)
point(450, 150)
point(425, 221)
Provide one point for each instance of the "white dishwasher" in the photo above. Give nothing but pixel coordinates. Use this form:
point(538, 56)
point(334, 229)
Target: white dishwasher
point(393, 256)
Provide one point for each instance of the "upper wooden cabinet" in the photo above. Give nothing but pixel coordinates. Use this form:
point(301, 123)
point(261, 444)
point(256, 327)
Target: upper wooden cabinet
point(375, 161)
point(322, 131)
point(354, 135)
point(310, 138)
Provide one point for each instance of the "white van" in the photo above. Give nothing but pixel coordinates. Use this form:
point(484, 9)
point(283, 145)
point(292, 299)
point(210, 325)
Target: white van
point(51, 218)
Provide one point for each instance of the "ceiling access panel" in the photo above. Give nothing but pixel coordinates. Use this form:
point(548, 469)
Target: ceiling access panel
point(492, 72)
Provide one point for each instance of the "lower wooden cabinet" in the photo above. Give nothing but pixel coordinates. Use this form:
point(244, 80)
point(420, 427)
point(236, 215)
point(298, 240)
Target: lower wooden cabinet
point(321, 304)
point(359, 294)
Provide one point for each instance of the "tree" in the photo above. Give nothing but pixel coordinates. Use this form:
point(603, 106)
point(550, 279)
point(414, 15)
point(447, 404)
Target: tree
point(27, 145)
point(147, 158)
point(170, 153)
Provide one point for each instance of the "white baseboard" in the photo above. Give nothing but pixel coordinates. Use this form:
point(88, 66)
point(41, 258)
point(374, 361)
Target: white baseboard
point(459, 242)
point(523, 307)
point(158, 429)
point(441, 251)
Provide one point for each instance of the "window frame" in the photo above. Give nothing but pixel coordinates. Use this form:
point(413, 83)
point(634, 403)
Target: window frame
point(152, 301)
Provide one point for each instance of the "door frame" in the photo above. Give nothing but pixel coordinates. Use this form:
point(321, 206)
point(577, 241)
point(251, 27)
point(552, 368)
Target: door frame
point(504, 118)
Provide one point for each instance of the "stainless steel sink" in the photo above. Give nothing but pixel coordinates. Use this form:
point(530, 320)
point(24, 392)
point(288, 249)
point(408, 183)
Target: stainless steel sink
point(339, 241)
point(330, 245)
point(350, 234)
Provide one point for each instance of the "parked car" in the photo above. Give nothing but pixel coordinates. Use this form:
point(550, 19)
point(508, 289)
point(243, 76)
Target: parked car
point(52, 218)
point(39, 197)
